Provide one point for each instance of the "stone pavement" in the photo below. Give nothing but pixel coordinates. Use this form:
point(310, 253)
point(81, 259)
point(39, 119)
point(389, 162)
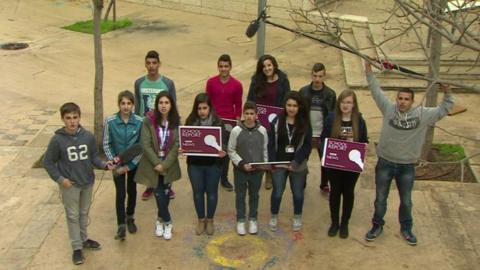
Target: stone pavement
point(58, 67)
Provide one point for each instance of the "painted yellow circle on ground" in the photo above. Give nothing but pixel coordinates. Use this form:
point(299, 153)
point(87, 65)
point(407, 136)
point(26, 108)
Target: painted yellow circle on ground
point(232, 250)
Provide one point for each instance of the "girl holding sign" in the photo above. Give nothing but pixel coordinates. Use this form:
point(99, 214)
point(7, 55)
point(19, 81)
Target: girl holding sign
point(204, 172)
point(346, 123)
point(290, 139)
point(269, 86)
point(159, 165)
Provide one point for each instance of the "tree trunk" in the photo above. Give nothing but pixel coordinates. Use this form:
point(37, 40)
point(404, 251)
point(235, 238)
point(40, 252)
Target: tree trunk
point(107, 12)
point(98, 87)
point(437, 8)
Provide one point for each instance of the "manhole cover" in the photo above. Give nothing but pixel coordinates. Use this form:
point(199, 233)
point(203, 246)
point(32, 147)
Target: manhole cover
point(14, 46)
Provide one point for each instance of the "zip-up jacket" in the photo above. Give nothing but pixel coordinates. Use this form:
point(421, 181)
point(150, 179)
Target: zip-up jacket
point(248, 145)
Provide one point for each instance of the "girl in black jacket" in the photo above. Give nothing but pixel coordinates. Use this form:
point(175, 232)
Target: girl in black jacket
point(345, 124)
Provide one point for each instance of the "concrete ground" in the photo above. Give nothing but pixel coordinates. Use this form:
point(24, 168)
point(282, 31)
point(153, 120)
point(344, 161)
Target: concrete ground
point(58, 67)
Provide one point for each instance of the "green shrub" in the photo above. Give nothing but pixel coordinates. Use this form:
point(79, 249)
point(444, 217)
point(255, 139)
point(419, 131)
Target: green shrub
point(106, 26)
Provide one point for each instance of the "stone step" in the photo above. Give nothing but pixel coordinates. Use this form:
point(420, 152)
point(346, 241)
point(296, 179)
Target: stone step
point(352, 64)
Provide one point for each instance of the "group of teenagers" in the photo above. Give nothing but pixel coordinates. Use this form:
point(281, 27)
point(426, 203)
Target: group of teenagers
point(150, 117)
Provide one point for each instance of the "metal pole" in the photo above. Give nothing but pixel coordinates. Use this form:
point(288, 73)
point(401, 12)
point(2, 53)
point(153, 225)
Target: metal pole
point(261, 30)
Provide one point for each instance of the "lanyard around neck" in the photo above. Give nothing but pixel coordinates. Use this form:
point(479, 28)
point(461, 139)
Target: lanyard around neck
point(289, 134)
point(163, 134)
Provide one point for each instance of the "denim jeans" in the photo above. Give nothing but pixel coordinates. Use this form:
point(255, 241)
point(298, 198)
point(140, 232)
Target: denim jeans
point(204, 180)
point(244, 181)
point(163, 199)
point(121, 193)
point(404, 175)
point(225, 162)
point(297, 185)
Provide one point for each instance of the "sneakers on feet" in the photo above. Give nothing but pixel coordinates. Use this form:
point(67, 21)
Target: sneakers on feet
point(91, 244)
point(272, 225)
point(159, 228)
point(171, 194)
point(167, 233)
point(147, 194)
point(374, 232)
point(121, 233)
point(252, 227)
point(333, 230)
point(409, 237)
point(77, 257)
point(226, 185)
point(343, 231)
point(132, 228)
point(297, 224)
point(241, 230)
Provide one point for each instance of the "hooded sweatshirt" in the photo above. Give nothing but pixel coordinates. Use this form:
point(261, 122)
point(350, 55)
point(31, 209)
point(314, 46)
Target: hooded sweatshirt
point(73, 157)
point(248, 145)
point(403, 134)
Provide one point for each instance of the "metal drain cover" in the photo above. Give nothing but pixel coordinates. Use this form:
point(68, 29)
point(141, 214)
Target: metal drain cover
point(14, 46)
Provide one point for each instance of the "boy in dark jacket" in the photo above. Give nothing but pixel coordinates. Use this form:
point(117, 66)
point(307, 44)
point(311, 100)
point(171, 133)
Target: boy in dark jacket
point(69, 160)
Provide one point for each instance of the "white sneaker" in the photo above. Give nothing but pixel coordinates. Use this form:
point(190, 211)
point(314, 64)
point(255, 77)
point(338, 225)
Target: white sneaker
point(159, 228)
point(297, 224)
point(167, 234)
point(272, 225)
point(241, 230)
point(252, 227)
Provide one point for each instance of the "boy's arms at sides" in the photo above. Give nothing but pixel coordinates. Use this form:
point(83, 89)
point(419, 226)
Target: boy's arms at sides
point(52, 155)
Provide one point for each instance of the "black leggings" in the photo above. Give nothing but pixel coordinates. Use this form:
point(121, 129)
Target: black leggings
point(121, 193)
point(342, 183)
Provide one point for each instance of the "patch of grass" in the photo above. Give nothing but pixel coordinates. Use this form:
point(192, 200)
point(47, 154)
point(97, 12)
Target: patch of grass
point(452, 152)
point(87, 26)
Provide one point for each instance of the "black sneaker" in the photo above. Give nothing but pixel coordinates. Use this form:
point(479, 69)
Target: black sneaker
point(121, 233)
point(409, 237)
point(343, 231)
point(226, 185)
point(91, 244)
point(374, 232)
point(333, 230)
point(77, 257)
point(132, 228)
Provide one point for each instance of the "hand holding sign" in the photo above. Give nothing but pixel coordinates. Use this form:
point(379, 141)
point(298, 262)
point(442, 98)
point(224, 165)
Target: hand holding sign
point(210, 140)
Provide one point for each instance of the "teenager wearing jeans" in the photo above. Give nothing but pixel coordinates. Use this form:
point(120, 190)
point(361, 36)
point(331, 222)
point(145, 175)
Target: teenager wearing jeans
point(290, 139)
point(204, 172)
point(159, 166)
point(248, 144)
point(399, 148)
point(346, 123)
point(121, 131)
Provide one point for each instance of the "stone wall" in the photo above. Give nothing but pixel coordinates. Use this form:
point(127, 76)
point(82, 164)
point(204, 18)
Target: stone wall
point(244, 10)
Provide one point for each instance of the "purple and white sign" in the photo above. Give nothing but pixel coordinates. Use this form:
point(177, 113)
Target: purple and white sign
point(229, 124)
point(200, 140)
point(272, 165)
point(344, 155)
point(266, 114)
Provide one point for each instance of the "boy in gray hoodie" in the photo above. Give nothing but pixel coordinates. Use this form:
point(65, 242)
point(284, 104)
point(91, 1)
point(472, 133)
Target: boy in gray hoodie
point(399, 148)
point(247, 144)
point(69, 160)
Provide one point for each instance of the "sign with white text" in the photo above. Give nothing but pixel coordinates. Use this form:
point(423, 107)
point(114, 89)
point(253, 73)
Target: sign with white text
point(344, 155)
point(200, 140)
point(266, 114)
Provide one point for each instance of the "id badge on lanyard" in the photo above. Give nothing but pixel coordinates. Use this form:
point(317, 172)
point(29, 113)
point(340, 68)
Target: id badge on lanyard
point(289, 148)
point(163, 135)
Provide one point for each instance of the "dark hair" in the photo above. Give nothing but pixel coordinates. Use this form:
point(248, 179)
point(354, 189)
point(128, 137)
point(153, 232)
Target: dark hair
point(173, 117)
point(225, 58)
point(69, 107)
point(126, 94)
point(337, 122)
point(250, 105)
point(259, 77)
point(153, 54)
point(302, 119)
point(318, 67)
point(200, 98)
point(406, 90)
